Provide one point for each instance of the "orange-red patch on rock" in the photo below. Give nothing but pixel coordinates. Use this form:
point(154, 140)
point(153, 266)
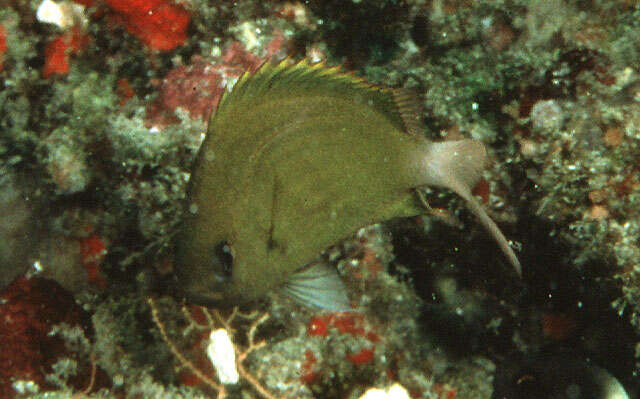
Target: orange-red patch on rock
point(159, 24)
point(58, 51)
point(3, 45)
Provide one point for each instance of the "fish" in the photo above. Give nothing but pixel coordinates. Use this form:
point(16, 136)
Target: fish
point(298, 157)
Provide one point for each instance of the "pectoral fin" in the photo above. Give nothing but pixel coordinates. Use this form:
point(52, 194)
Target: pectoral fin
point(318, 285)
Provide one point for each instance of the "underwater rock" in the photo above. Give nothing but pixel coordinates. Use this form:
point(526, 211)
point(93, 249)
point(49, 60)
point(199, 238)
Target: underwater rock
point(17, 229)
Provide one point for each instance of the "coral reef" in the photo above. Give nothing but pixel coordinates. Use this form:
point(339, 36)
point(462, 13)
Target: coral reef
point(103, 105)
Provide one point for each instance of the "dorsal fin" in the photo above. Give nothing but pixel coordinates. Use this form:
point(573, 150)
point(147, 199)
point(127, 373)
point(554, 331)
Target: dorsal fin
point(305, 79)
point(409, 109)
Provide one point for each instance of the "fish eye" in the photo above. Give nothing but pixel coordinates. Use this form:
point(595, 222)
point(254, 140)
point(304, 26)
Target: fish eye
point(222, 260)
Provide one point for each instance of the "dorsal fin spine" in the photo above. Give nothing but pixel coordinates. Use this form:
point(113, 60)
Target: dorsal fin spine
point(408, 106)
point(304, 76)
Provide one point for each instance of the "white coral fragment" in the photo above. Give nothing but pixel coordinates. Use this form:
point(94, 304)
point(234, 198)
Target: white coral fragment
point(63, 14)
point(222, 354)
point(395, 391)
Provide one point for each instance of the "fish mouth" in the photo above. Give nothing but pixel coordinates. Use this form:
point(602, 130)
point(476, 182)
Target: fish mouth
point(209, 300)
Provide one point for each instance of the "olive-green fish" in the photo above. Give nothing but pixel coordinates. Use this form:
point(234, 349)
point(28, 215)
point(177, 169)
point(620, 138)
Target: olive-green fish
point(297, 158)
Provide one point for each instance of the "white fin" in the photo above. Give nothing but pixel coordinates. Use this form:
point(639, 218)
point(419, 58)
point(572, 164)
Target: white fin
point(491, 226)
point(318, 285)
point(457, 165)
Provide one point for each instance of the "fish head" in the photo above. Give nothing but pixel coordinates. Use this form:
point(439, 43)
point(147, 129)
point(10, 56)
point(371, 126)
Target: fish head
point(223, 255)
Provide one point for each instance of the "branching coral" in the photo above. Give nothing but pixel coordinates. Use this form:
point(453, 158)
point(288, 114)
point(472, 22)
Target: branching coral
point(210, 325)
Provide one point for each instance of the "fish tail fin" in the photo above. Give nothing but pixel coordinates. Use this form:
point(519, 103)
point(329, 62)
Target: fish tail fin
point(478, 210)
point(457, 165)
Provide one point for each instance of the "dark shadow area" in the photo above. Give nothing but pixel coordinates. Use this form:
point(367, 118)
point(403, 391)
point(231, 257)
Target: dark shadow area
point(557, 311)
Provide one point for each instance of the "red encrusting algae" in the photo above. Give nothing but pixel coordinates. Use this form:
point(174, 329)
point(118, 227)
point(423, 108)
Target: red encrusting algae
point(159, 24)
point(94, 249)
point(445, 391)
point(3, 46)
point(29, 309)
point(345, 323)
point(198, 87)
point(124, 90)
point(317, 327)
point(361, 357)
point(308, 372)
point(86, 3)
point(58, 51)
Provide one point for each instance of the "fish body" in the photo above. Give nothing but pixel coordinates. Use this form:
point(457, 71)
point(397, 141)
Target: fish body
point(296, 158)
